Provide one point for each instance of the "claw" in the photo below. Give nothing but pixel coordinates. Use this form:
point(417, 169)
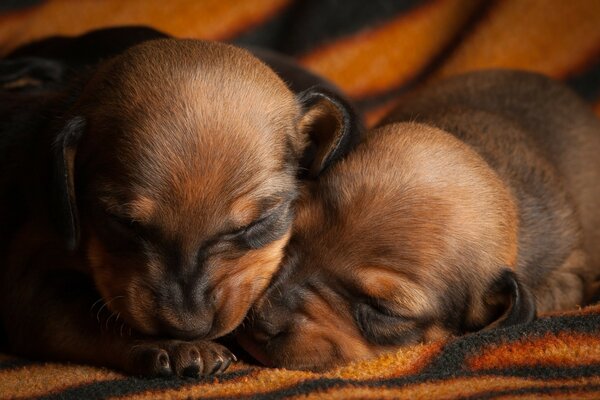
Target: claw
point(225, 365)
point(217, 367)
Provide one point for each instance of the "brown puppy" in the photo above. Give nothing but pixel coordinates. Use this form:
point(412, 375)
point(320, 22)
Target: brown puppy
point(476, 201)
point(171, 176)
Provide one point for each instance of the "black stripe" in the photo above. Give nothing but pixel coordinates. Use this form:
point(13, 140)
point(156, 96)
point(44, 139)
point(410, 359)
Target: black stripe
point(541, 372)
point(17, 363)
point(12, 5)
point(473, 21)
point(307, 24)
point(587, 83)
point(128, 386)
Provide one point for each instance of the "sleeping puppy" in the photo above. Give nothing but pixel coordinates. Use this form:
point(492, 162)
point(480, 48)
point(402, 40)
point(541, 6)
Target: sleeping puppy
point(169, 172)
point(476, 202)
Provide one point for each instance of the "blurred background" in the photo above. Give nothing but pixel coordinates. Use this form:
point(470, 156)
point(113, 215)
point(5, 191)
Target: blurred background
point(374, 50)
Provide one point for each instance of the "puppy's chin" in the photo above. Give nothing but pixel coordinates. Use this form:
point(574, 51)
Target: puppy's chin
point(313, 349)
point(316, 354)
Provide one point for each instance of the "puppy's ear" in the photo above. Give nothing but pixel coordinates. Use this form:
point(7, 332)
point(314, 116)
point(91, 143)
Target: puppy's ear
point(509, 302)
point(29, 72)
point(64, 209)
point(333, 128)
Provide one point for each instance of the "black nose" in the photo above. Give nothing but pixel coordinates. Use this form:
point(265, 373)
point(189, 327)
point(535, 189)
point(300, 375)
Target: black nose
point(183, 311)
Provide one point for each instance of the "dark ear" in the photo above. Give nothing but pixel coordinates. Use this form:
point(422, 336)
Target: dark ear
point(29, 72)
point(64, 209)
point(333, 128)
point(509, 301)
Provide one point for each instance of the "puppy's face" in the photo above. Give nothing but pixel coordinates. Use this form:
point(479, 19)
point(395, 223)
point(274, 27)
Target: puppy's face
point(184, 178)
point(389, 249)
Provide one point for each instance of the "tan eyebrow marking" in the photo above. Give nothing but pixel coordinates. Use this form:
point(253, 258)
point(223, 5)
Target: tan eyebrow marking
point(385, 283)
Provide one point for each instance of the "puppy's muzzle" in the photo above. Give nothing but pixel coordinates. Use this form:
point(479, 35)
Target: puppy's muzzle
point(266, 326)
point(185, 311)
point(258, 335)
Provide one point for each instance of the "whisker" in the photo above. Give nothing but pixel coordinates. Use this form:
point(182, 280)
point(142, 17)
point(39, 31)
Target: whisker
point(95, 303)
point(109, 318)
point(106, 305)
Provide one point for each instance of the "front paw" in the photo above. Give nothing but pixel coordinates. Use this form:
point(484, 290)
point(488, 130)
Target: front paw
point(178, 358)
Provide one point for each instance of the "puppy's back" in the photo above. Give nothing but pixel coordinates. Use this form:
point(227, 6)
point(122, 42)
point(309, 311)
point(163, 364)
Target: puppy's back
point(543, 141)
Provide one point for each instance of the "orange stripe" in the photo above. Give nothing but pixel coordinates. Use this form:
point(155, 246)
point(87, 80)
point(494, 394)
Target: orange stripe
point(206, 19)
point(377, 59)
point(373, 116)
point(36, 380)
point(561, 350)
point(552, 37)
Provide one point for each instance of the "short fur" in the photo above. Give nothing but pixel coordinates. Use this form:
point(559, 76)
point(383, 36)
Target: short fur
point(473, 204)
point(169, 172)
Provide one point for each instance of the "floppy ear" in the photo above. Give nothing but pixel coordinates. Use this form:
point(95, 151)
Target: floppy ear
point(64, 209)
point(29, 72)
point(509, 301)
point(333, 128)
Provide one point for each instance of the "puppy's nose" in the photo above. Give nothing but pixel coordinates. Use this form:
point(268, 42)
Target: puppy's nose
point(183, 313)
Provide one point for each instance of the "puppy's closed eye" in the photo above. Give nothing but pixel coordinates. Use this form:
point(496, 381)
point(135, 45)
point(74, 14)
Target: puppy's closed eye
point(268, 227)
point(382, 326)
point(122, 223)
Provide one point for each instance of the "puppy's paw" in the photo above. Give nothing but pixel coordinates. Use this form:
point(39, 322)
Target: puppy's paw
point(179, 358)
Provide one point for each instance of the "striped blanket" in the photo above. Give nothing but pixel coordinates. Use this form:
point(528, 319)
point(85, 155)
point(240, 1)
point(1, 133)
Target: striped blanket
point(376, 51)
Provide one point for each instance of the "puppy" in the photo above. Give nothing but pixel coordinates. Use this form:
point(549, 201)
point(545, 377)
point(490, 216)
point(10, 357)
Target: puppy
point(150, 202)
point(476, 202)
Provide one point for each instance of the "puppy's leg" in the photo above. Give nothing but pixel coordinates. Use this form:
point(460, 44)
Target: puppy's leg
point(565, 287)
point(50, 314)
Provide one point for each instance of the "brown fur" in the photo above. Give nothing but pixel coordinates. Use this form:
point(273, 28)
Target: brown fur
point(473, 204)
point(176, 170)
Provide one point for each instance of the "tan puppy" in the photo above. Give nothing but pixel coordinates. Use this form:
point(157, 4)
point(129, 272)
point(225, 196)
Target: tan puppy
point(170, 173)
point(476, 201)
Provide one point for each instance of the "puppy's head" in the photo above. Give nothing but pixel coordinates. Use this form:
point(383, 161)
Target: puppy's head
point(411, 238)
point(176, 174)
